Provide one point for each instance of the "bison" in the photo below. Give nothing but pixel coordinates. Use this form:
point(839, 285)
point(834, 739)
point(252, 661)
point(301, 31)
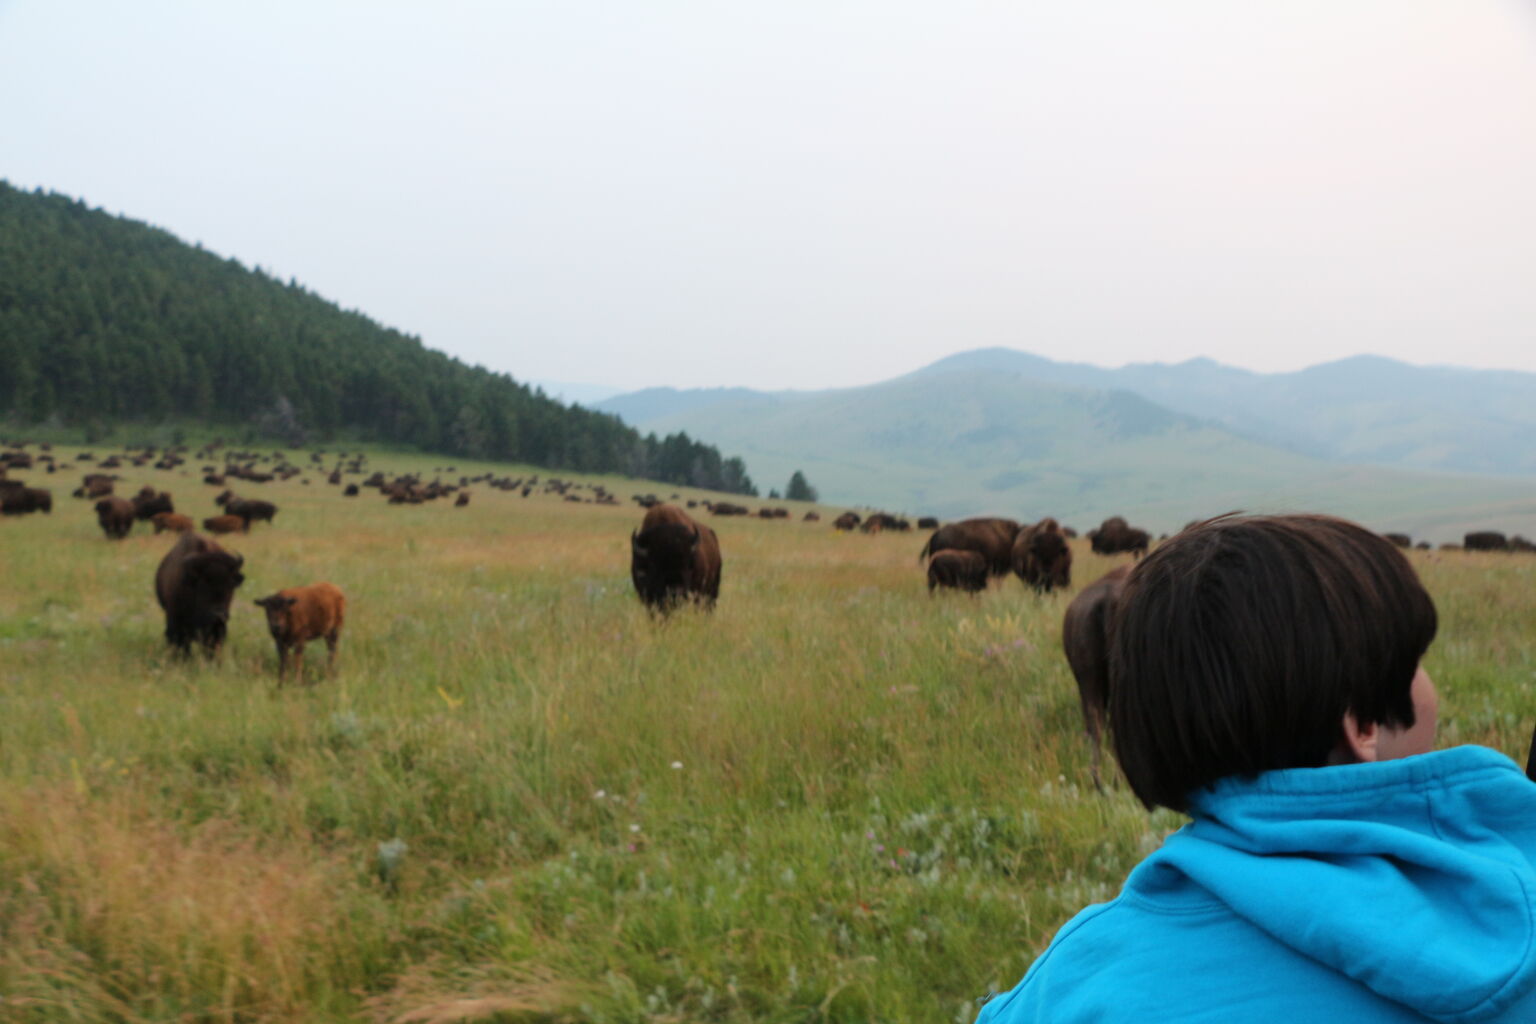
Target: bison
point(250, 510)
point(878, 522)
point(147, 504)
point(928, 523)
point(461, 500)
point(1085, 637)
point(115, 516)
point(194, 584)
point(173, 521)
point(957, 570)
point(846, 521)
point(226, 524)
point(19, 501)
point(94, 485)
point(1485, 540)
point(1115, 535)
point(1041, 556)
point(673, 558)
point(1402, 540)
point(991, 538)
point(300, 614)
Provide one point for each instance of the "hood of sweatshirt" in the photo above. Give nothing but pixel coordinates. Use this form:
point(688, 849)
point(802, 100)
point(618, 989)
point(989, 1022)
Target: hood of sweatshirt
point(1413, 876)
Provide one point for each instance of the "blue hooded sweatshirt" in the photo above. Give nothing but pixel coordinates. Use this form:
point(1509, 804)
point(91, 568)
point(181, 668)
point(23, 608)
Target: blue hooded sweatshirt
point(1393, 891)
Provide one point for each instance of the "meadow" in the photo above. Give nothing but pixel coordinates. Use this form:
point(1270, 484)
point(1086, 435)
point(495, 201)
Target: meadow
point(520, 798)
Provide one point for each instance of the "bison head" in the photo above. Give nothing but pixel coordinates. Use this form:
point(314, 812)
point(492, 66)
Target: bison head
point(662, 561)
point(276, 606)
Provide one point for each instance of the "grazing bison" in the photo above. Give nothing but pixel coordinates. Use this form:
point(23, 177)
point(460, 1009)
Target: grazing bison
point(18, 501)
point(173, 521)
point(928, 523)
point(461, 500)
point(1115, 535)
point(1085, 637)
point(811, 517)
point(1402, 540)
point(350, 492)
point(300, 614)
point(846, 521)
point(957, 570)
point(673, 558)
point(1485, 540)
point(1041, 556)
point(147, 504)
point(115, 516)
point(226, 524)
point(1519, 543)
point(250, 510)
point(195, 583)
point(877, 522)
point(94, 485)
point(991, 538)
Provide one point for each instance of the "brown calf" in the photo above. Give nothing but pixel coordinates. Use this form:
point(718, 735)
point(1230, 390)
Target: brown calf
point(225, 524)
point(173, 521)
point(300, 614)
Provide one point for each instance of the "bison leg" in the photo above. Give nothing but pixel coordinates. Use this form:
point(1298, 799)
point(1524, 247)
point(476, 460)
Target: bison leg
point(282, 662)
point(1093, 725)
point(331, 639)
point(298, 663)
point(179, 638)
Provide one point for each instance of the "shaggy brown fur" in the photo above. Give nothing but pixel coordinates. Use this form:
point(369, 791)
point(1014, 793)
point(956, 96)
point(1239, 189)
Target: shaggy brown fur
point(300, 614)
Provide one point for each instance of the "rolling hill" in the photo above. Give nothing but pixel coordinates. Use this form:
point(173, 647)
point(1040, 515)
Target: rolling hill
point(1365, 409)
point(106, 321)
point(979, 434)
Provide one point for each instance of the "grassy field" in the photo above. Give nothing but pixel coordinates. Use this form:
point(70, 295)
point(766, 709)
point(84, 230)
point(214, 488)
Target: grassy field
point(520, 799)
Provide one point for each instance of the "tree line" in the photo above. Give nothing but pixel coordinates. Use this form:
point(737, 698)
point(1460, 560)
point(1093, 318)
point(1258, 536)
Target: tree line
point(108, 320)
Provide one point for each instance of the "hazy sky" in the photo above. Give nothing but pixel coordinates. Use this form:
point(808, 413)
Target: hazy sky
point(808, 194)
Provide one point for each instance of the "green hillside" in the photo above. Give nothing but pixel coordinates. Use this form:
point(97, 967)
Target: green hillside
point(104, 320)
point(1363, 409)
point(986, 441)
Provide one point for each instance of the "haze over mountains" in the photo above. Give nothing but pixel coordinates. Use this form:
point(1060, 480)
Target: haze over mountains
point(1427, 449)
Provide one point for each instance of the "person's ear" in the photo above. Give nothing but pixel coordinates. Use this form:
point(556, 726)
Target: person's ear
point(1358, 742)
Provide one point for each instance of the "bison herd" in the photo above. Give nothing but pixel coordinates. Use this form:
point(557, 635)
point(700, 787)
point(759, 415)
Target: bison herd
point(196, 580)
point(675, 560)
point(1038, 554)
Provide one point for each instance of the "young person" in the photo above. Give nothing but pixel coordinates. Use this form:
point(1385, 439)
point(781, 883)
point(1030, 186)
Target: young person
point(1265, 679)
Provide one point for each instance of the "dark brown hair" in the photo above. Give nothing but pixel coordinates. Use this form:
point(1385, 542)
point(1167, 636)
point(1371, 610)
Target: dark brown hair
point(1238, 645)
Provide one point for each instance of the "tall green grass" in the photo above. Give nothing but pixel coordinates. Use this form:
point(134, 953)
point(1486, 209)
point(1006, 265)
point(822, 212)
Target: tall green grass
point(519, 798)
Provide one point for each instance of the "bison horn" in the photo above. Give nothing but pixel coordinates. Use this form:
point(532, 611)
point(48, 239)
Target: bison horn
point(239, 561)
point(634, 543)
point(695, 542)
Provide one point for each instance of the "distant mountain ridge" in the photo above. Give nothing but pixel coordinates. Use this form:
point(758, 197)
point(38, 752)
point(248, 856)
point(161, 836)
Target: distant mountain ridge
point(1361, 409)
point(1007, 432)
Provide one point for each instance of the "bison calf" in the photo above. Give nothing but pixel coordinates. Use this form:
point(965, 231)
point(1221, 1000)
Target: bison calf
point(173, 521)
point(300, 614)
point(225, 524)
point(957, 570)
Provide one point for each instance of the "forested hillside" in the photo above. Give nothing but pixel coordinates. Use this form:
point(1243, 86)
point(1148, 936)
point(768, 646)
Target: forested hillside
point(106, 320)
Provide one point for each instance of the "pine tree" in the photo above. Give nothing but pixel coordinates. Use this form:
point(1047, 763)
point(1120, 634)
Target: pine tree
point(799, 489)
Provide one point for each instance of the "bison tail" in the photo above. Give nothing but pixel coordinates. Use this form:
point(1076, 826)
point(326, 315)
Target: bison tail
point(924, 553)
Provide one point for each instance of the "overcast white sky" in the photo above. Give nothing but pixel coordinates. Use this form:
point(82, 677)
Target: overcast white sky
point(822, 193)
